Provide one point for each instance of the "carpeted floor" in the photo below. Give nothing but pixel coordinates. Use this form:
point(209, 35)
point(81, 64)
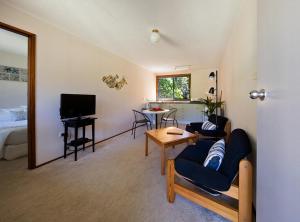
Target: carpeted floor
point(116, 183)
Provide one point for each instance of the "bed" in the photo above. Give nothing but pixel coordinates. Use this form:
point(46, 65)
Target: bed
point(13, 137)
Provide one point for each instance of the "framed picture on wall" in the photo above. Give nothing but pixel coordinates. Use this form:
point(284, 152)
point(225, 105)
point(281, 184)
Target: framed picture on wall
point(13, 73)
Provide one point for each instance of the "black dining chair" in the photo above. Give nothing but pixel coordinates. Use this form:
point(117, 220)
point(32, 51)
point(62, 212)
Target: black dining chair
point(139, 118)
point(169, 117)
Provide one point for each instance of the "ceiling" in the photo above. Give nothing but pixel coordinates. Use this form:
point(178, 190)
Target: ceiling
point(193, 32)
point(13, 43)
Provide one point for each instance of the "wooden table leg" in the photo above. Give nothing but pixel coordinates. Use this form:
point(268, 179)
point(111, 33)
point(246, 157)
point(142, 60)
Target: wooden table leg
point(163, 159)
point(146, 145)
point(170, 181)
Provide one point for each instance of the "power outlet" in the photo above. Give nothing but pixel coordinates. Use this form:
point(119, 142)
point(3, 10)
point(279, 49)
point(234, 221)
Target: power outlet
point(62, 134)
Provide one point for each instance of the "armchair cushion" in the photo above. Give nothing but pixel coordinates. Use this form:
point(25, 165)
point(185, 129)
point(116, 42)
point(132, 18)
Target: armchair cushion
point(201, 176)
point(239, 147)
point(208, 126)
point(197, 125)
point(189, 163)
point(215, 155)
point(198, 152)
point(219, 132)
point(220, 119)
point(212, 133)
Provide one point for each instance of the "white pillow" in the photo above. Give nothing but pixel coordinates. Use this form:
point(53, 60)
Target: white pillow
point(215, 155)
point(18, 114)
point(5, 115)
point(208, 126)
point(24, 108)
point(13, 114)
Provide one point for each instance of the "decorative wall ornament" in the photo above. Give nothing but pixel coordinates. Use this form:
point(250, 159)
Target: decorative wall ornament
point(13, 74)
point(114, 81)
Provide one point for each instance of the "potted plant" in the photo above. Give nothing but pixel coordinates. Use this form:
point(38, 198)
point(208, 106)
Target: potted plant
point(210, 105)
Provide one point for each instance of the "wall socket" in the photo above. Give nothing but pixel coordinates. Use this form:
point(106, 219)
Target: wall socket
point(62, 134)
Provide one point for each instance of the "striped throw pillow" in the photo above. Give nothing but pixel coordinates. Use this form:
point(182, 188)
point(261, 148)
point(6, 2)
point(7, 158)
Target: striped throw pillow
point(208, 126)
point(215, 155)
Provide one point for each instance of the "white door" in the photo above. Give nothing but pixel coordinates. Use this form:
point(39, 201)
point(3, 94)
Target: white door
point(278, 128)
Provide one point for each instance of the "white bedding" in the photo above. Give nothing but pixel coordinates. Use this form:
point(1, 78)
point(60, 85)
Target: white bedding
point(6, 128)
point(9, 124)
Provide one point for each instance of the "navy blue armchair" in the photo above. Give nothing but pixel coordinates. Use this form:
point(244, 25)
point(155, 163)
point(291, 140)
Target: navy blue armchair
point(189, 166)
point(223, 128)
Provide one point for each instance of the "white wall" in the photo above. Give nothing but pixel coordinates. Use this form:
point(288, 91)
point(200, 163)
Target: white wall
point(201, 83)
point(65, 64)
point(12, 59)
point(13, 93)
point(238, 71)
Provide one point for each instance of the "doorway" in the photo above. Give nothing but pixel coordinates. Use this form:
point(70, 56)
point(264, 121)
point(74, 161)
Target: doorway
point(13, 107)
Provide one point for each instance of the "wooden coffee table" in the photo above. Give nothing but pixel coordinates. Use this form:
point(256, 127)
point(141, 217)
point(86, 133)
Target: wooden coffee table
point(165, 140)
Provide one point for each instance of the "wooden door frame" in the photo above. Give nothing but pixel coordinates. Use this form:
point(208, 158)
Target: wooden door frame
point(31, 91)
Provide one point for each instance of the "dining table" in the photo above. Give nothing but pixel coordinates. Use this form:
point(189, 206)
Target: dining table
point(156, 113)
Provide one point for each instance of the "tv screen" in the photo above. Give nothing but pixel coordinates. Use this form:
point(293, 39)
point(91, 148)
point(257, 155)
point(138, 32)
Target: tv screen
point(77, 105)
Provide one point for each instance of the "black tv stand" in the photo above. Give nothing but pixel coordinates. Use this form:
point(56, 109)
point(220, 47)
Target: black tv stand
point(76, 123)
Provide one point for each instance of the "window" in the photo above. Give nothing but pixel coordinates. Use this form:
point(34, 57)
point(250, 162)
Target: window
point(173, 87)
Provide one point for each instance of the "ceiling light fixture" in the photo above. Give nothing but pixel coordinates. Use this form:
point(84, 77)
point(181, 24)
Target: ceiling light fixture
point(155, 36)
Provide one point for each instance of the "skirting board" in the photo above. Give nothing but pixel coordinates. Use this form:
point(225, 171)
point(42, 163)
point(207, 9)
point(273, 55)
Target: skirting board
point(101, 141)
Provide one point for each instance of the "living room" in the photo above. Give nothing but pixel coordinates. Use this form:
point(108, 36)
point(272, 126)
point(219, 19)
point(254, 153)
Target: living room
point(119, 52)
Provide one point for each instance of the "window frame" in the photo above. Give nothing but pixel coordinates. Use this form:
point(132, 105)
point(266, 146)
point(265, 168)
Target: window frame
point(173, 76)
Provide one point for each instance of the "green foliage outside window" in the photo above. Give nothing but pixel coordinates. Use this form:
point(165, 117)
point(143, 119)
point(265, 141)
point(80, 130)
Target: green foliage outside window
point(174, 88)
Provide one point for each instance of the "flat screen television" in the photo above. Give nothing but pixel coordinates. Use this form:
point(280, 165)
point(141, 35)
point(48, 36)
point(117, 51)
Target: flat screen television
point(77, 105)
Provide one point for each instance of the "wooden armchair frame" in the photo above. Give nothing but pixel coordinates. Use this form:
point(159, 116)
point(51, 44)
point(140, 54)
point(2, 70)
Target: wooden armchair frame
point(241, 192)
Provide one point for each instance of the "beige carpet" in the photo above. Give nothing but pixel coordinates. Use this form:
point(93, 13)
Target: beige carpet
point(116, 183)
